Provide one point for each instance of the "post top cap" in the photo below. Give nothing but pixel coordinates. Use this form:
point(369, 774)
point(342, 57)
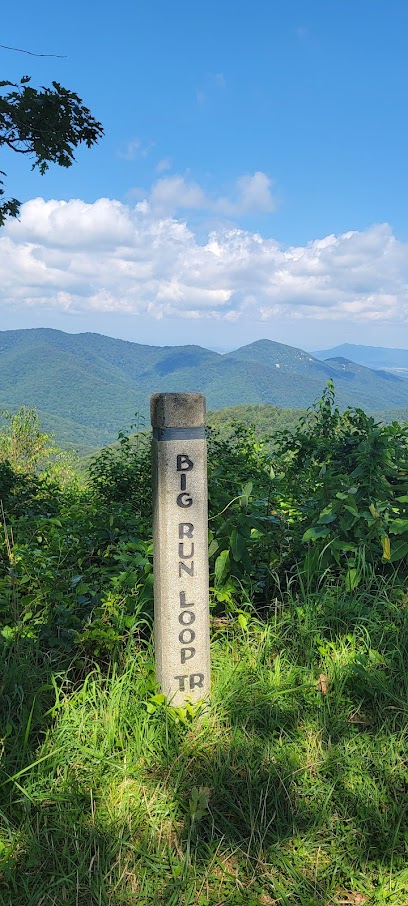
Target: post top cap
point(177, 410)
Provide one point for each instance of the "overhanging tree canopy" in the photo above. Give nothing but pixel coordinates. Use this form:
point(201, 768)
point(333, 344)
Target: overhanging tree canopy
point(46, 124)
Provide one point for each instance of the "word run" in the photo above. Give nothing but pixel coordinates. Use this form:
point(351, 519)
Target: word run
point(186, 616)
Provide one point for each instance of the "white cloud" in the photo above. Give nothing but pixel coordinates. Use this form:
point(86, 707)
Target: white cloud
point(251, 194)
point(163, 165)
point(135, 149)
point(72, 223)
point(172, 193)
point(109, 257)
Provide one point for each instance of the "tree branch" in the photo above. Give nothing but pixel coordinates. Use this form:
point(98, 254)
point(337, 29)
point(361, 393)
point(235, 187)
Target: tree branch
point(9, 144)
point(60, 56)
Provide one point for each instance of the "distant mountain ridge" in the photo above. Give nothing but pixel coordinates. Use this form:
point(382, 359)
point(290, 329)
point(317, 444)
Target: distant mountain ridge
point(370, 356)
point(88, 386)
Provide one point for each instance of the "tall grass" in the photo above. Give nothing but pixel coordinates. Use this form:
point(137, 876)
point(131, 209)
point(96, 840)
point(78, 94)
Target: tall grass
point(291, 788)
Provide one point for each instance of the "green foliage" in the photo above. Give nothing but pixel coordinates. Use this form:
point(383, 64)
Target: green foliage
point(48, 124)
point(30, 451)
point(22, 443)
point(323, 502)
point(327, 501)
point(75, 568)
point(291, 785)
point(265, 419)
point(241, 522)
point(346, 477)
point(78, 578)
point(122, 473)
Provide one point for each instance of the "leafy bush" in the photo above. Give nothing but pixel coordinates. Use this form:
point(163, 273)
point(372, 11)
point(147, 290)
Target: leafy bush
point(326, 501)
point(346, 478)
point(75, 568)
point(30, 451)
point(329, 501)
point(121, 474)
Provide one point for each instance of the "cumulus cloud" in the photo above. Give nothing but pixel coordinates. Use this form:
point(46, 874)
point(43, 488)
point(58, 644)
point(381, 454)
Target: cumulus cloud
point(251, 194)
point(110, 257)
point(173, 193)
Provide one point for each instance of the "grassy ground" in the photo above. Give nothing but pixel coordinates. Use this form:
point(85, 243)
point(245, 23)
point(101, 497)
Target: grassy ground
point(291, 789)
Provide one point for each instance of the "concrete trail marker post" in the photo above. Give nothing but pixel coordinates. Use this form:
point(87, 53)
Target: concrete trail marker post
point(180, 546)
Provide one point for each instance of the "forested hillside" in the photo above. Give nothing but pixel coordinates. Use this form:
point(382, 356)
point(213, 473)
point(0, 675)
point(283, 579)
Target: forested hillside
point(87, 386)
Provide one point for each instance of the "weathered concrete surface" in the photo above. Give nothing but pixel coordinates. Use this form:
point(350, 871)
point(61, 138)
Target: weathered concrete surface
point(180, 537)
point(177, 410)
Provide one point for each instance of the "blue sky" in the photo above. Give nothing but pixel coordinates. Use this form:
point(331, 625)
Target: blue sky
point(253, 170)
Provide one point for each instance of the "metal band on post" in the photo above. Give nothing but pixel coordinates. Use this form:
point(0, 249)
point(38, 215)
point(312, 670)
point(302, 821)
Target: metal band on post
point(180, 545)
